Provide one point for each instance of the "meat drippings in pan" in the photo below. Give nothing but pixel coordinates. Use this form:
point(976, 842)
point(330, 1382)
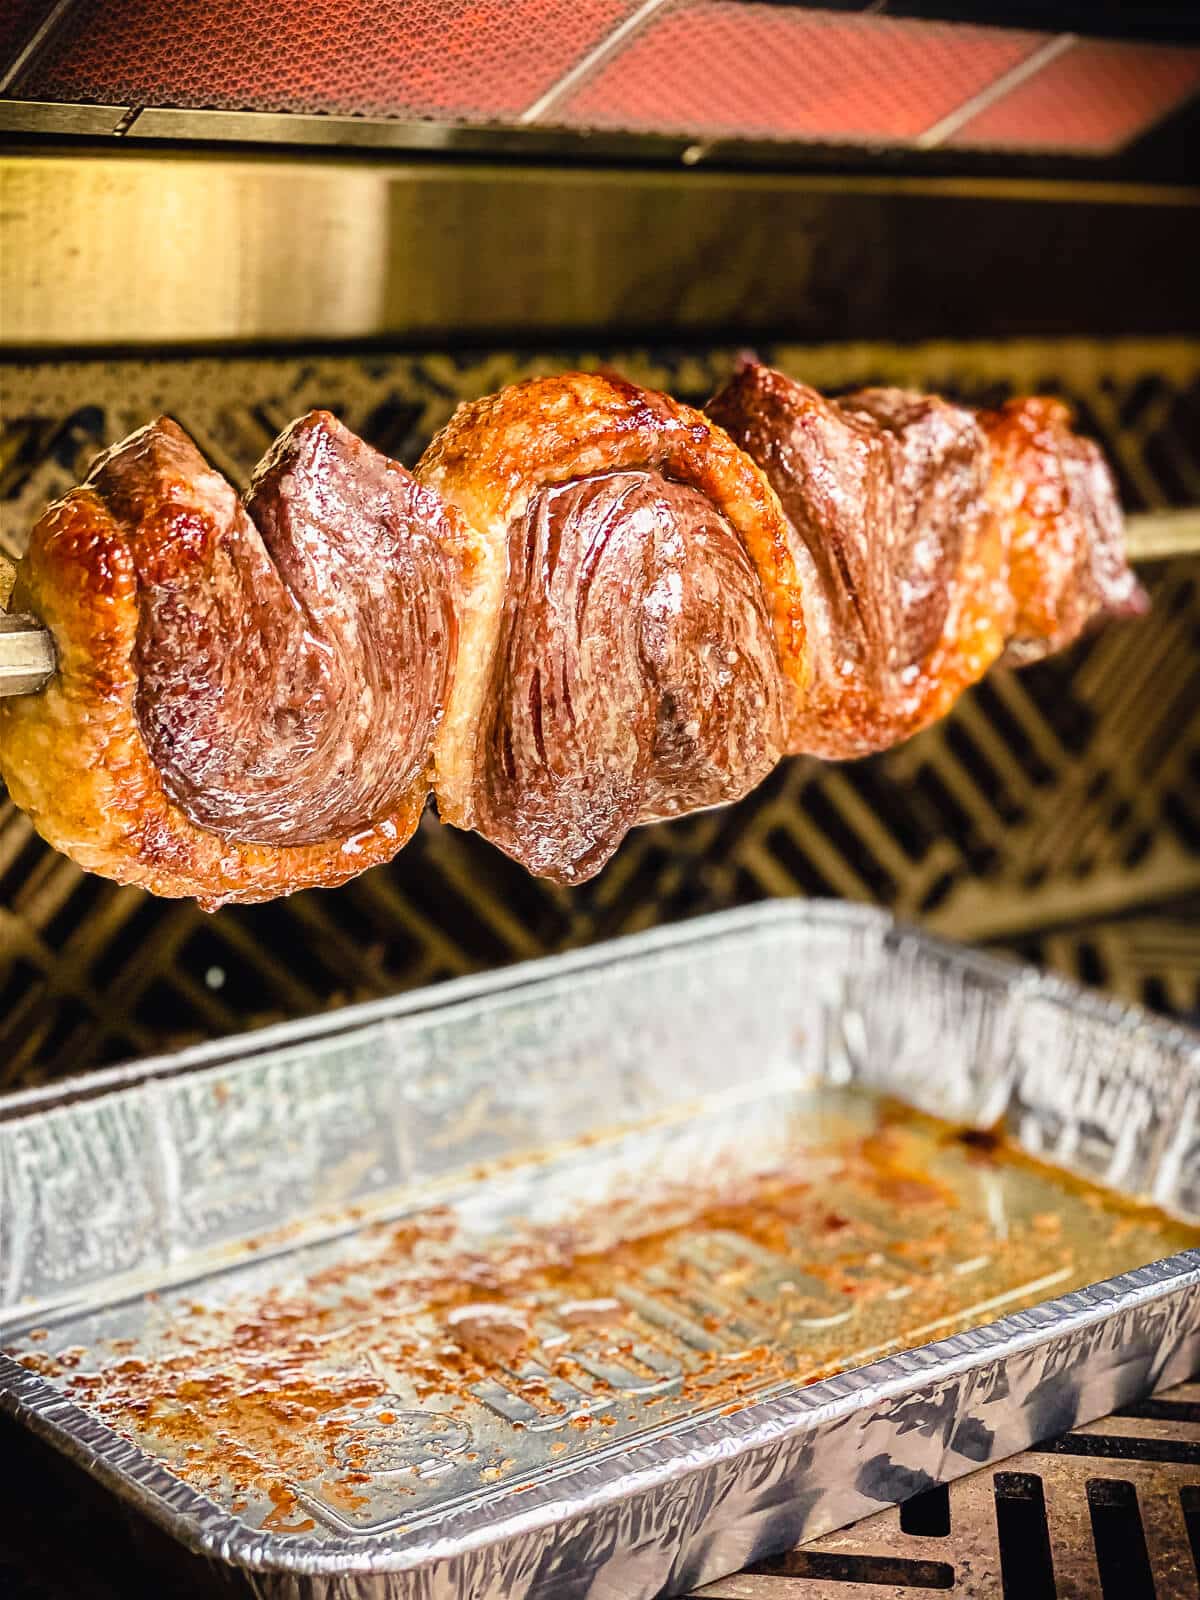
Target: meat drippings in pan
point(378, 1367)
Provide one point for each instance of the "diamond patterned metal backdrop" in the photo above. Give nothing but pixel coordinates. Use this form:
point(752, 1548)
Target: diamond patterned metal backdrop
point(1056, 813)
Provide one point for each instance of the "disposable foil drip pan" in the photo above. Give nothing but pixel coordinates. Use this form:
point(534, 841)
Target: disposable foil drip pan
point(609, 1274)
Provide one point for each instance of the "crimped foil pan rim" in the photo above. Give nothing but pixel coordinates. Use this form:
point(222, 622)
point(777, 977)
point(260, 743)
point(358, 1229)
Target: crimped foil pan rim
point(695, 1447)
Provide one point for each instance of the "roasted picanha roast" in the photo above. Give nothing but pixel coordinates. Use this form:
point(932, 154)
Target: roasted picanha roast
point(587, 608)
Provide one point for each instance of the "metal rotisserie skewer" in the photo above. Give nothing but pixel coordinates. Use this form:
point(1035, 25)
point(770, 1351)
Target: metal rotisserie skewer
point(27, 657)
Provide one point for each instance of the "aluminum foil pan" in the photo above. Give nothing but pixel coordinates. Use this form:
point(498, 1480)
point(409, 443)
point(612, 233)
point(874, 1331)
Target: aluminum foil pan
point(606, 1275)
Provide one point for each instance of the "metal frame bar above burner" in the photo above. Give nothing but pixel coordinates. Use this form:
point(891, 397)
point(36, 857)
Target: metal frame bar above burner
point(159, 248)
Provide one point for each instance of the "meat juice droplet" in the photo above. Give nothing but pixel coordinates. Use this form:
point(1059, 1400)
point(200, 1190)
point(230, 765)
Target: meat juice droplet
point(495, 1334)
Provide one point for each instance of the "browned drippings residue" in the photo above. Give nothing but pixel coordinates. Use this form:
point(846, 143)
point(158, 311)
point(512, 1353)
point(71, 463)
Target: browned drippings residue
point(981, 1144)
point(283, 1510)
point(493, 1334)
point(292, 1385)
point(44, 1365)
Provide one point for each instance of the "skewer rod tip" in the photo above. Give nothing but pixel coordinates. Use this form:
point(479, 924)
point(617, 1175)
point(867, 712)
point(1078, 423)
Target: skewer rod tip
point(27, 657)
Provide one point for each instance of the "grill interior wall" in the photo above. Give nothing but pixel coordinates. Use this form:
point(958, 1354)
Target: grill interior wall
point(1055, 813)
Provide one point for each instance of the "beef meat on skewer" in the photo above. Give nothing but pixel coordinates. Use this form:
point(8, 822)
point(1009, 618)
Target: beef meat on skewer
point(247, 694)
point(588, 608)
point(935, 541)
point(636, 640)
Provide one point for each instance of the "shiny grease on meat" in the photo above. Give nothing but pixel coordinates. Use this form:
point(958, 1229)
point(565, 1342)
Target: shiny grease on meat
point(635, 676)
point(883, 492)
point(246, 695)
point(1052, 491)
point(293, 654)
point(936, 540)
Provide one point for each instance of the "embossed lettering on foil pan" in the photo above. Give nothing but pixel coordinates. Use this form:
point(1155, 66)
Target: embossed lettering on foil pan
point(801, 988)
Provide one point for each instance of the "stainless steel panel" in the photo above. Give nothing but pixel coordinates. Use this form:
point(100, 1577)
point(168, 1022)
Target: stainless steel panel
point(137, 246)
